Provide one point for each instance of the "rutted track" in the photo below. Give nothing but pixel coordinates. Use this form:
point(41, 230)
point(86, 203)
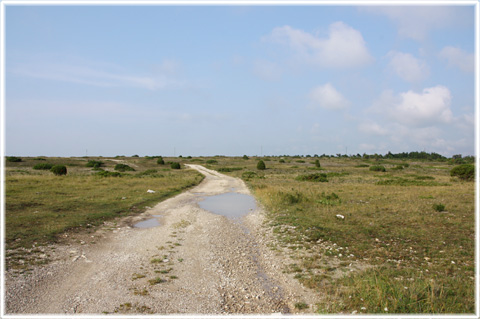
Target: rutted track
point(196, 262)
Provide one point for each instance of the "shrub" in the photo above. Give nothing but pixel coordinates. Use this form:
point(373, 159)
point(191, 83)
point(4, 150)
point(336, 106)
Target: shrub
point(212, 161)
point(93, 163)
point(160, 161)
point(261, 165)
point(362, 165)
point(59, 170)
point(300, 161)
point(291, 198)
point(249, 175)
point(377, 168)
point(175, 165)
point(464, 171)
point(39, 159)
point(281, 161)
point(43, 166)
point(123, 168)
point(317, 163)
point(135, 155)
point(439, 207)
point(149, 172)
point(13, 159)
point(108, 174)
point(229, 169)
point(245, 157)
point(317, 177)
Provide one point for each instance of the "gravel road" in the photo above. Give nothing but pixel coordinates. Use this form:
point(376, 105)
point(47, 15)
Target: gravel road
point(195, 262)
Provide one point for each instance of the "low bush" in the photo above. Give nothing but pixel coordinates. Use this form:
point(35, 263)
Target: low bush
point(245, 157)
point(261, 165)
point(160, 161)
point(317, 177)
point(249, 175)
point(108, 174)
point(362, 165)
point(439, 207)
point(317, 163)
point(149, 173)
point(281, 160)
point(59, 170)
point(45, 166)
point(377, 168)
point(13, 159)
point(123, 168)
point(175, 165)
point(464, 172)
point(229, 169)
point(93, 163)
point(39, 159)
point(212, 161)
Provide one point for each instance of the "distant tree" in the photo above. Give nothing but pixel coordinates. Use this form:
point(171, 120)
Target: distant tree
point(317, 163)
point(245, 157)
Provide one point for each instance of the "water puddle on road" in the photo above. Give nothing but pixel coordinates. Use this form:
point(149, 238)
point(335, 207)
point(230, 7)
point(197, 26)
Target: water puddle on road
point(152, 222)
point(232, 205)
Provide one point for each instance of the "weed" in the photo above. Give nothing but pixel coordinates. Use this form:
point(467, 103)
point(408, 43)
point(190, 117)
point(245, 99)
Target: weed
point(439, 207)
point(301, 305)
point(137, 276)
point(249, 175)
point(156, 281)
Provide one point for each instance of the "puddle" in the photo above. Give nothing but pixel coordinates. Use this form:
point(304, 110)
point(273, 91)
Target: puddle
point(232, 205)
point(152, 222)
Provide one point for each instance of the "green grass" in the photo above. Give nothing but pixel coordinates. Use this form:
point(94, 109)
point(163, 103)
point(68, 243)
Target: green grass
point(393, 249)
point(41, 206)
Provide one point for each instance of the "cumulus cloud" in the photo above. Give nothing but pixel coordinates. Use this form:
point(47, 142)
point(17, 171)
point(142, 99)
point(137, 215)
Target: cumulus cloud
point(416, 22)
point(344, 47)
point(372, 128)
point(458, 58)
point(427, 108)
point(327, 97)
point(407, 67)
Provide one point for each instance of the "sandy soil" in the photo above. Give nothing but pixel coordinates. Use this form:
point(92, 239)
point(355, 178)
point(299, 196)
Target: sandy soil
point(195, 262)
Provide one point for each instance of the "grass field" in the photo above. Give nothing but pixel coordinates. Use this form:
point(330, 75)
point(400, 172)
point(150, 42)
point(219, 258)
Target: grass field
point(398, 241)
point(40, 206)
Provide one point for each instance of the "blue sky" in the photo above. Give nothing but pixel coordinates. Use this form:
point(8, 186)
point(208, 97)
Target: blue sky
point(234, 80)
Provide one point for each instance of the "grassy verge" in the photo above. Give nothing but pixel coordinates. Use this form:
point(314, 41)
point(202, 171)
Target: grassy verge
point(374, 241)
point(40, 206)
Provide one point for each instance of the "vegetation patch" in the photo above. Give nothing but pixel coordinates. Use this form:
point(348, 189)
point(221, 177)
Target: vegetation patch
point(229, 169)
point(317, 177)
point(59, 170)
point(43, 166)
point(377, 168)
point(465, 172)
point(123, 168)
point(108, 174)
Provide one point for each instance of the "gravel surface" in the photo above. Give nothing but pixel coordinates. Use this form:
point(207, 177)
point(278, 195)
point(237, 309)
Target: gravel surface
point(195, 262)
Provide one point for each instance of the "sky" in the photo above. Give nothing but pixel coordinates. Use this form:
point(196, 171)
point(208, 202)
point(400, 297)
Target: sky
point(232, 80)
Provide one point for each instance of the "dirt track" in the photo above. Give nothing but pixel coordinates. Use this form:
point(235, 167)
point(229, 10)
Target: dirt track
point(196, 262)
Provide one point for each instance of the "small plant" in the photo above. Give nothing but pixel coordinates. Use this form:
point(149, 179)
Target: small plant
point(160, 161)
point(249, 175)
point(155, 281)
point(108, 174)
point(439, 207)
point(123, 168)
point(301, 305)
point(317, 163)
point(377, 168)
point(281, 160)
point(45, 166)
point(317, 177)
point(13, 159)
point(59, 170)
point(94, 164)
point(245, 157)
point(261, 165)
point(464, 171)
point(175, 165)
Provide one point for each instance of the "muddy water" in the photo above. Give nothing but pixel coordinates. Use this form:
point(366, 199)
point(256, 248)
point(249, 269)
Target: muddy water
point(152, 222)
point(232, 205)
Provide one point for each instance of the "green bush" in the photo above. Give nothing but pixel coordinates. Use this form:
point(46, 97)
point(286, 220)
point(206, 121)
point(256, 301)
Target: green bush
point(229, 169)
point(93, 163)
point(248, 175)
point(281, 160)
point(108, 174)
point(245, 157)
point(439, 207)
point(59, 170)
point(377, 168)
point(317, 163)
point(123, 168)
point(39, 159)
point(464, 171)
point(13, 159)
point(317, 177)
point(160, 161)
point(175, 165)
point(261, 165)
point(212, 161)
point(43, 166)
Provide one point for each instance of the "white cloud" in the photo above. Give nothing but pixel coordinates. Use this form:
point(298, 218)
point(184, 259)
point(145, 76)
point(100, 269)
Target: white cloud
point(90, 75)
point(344, 47)
point(416, 22)
point(327, 97)
point(430, 107)
point(267, 70)
point(407, 67)
point(458, 58)
point(372, 128)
